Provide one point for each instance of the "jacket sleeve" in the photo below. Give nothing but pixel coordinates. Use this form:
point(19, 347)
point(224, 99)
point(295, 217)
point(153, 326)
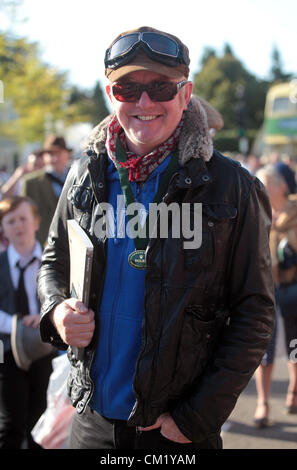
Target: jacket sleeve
point(53, 277)
point(243, 342)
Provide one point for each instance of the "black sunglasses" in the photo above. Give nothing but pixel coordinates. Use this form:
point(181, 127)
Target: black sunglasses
point(130, 92)
point(158, 46)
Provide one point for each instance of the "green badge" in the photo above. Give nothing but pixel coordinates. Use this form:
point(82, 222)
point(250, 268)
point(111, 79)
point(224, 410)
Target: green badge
point(136, 259)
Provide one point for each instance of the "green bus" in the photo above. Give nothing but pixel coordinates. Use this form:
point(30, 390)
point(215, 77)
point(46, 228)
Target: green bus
point(280, 118)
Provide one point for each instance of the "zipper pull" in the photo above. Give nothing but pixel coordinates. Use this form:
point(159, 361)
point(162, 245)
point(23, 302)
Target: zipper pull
point(138, 431)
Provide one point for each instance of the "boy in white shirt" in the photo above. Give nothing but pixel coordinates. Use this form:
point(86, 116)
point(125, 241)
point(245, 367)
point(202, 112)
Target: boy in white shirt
point(22, 393)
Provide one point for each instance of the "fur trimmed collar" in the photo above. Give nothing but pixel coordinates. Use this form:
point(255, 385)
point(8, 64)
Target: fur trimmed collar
point(194, 141)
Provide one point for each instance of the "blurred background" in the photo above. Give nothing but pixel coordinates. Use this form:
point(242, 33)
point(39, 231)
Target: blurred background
point(243, 62)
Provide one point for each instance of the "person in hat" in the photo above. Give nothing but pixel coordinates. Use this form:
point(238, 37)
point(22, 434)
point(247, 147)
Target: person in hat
point(173, 331)
point(23, 383)
point(45, 185)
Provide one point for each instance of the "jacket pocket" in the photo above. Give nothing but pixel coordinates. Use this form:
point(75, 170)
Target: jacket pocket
point(203, 256)
point(219, 212)
point(198, 338)
point(221, 218)
point(216, 229)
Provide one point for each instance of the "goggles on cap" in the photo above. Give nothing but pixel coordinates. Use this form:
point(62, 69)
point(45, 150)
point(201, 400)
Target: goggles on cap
point(130, 92)
point(158, 46)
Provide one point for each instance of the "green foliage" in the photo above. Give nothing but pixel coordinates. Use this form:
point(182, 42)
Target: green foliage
point(88, 105)
point(228, 49)
point(207, 54)
point(221, 81)
point(80, 106)
point(37, 92)
point(276, 72)
point(33, 89)
point(228, 140)
point(100, 109)
point(236, 93)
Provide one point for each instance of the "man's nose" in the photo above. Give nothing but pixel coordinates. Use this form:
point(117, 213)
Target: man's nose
point(145, 100)
point(18, 223)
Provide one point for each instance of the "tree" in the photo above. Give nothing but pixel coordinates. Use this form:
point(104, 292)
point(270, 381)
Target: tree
point(80, 105)
point(207, 54)
point(100, 108)
point(88, 105)
point(227, 49)
point(219, 82)
point(276, 72)
point(37, 96)
point(33, 89)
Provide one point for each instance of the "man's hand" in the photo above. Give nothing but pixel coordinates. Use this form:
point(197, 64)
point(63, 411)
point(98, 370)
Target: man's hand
point(74, 322)
point(168, 429)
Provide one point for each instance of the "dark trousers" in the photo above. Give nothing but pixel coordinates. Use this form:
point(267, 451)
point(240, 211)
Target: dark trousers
point(92, 431)
point(22, 400)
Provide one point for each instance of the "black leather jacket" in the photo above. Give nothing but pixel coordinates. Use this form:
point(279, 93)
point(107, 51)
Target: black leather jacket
point(208, 312)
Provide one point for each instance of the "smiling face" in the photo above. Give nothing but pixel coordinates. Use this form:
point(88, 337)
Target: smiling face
point(147, 123)
point(19, 227)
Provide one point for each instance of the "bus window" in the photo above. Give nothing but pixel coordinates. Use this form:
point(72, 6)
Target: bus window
point(280, 104)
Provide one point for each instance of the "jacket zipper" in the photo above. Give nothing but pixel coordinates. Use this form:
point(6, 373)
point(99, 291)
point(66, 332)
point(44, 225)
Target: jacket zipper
point(137, 404)
point(88, 369)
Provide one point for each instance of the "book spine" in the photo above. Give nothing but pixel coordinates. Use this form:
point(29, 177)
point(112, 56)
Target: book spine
point(87, 277)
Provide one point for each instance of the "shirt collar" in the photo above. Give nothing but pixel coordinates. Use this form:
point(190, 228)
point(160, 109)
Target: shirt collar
point(60, 176)
point(14, 256)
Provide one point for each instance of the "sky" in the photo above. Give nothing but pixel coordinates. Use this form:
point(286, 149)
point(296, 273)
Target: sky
point(74, 34)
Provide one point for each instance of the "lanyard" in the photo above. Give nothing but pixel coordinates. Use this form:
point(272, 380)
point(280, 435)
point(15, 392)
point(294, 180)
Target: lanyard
point(141, 243)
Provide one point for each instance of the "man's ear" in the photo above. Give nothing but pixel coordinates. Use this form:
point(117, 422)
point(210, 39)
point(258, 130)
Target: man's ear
point(188, 93)
point(108, 91)
point(36, 223)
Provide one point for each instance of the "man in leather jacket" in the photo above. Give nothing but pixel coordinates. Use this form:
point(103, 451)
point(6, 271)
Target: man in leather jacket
point(173, 332)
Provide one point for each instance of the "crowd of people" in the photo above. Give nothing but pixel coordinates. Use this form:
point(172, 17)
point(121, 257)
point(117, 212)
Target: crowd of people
point(278, 173)
point(172, 335)
point(29, 198)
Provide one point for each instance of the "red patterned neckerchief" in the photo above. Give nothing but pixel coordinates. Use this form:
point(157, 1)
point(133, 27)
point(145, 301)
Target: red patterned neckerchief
point(139, 167)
